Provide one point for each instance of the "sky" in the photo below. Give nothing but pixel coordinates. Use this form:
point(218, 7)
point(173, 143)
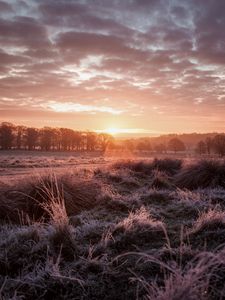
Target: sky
point(133, 66)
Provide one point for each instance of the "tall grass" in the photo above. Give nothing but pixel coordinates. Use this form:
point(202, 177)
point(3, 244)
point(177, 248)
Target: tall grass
point(135, 230)
point(203, 174)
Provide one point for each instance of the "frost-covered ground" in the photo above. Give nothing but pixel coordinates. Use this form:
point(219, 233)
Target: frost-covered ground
point(17, 164)
point(150, 229)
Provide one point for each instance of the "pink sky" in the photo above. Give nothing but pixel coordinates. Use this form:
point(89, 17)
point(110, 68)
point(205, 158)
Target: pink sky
point(154, 66)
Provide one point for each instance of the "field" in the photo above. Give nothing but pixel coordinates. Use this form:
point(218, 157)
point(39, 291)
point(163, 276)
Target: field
point(93, 227)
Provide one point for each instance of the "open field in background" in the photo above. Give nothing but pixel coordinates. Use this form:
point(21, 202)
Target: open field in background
point(95, 227)
point(16, 164)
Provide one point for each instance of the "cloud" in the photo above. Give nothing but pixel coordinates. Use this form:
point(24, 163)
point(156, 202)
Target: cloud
point(120, 58)
point(5, 7)
point(77, 107)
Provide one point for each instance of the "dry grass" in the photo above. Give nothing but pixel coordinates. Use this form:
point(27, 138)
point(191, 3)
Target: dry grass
point(32, 199)
point(203, 174)
point(125, 232)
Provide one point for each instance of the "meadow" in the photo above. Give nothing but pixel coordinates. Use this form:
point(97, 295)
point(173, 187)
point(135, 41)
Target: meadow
point(93, 227)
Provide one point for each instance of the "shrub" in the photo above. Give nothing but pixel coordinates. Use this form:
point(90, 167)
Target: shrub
point(203, 174)
point(144, 167)
point(30, 199)
point(209, 230)
point(160, 180)
point(212, 220)
point(170, 166)
point(138, 228)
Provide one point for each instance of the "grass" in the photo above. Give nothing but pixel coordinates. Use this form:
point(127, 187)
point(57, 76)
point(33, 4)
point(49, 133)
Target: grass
point(133, 230)
point(203, 174)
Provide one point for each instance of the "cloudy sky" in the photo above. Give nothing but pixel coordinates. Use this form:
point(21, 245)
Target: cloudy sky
point(151, 66)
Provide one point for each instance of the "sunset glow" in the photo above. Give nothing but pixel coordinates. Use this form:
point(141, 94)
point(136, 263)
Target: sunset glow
point(153, 65)
point(127, 131)
point(113, 131)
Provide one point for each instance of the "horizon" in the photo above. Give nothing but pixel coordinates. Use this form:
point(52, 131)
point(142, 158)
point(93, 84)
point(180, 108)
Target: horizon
point(121, 134)
point(136, 68)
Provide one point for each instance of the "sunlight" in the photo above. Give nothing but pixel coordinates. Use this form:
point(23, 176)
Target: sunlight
point(113, 130)
point(117, 131)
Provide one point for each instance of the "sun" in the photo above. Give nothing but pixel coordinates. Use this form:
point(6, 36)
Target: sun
point(112, 130)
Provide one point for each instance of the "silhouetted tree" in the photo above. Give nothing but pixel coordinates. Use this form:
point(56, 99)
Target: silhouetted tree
point(129, 145)
point(77, 140)
point(56, 139)
point(6, 135)
point(46, 137)
point(176, 145)
point(105, 140)
point(20, 132)
point(144, 145)
point(141, 146)
point(91, 141)
point(201, 148)
point(31, 138)
point(209, 145)
point(218, 144)
point(67, 136)
point(160, 148)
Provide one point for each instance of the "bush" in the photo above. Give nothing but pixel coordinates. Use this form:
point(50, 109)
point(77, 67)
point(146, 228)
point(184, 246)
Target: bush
point(203, 174)
point(170, 166)
point(29, 200)
point(137, 229)
point(209, 230)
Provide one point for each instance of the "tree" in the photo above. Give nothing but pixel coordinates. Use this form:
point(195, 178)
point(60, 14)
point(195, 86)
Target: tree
point(209, 145)
point(140, 146)
point(31, 137)
point(160, 148)
point(77, 140)
point(176, 145)
point(56, 139)
point(105, 140)
point(129, 145)
point(144, 145)
point(218, 144)
point(46, 137)
point(20, 131)
point(6, 135)
point(67, 138)
point(201, 148)
point(91, 141)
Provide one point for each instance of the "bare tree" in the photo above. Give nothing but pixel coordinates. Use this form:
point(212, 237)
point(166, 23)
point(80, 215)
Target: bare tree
point(219, 144)
point(6, 135)
point(201, 148)
point(91, 141)
point(144, 145)
point(46, 137)
point(77, 140)
point(31, 138)
point(20, 132)
point(105, 140)
point(129, 145)
point(160, 148)
point(209, 145)
point(176, 145)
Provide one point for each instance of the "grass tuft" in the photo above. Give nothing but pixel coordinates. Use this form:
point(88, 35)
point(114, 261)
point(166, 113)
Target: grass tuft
point(203, 174)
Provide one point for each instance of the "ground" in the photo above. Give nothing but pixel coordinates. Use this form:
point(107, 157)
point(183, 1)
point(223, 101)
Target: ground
point(93, 227)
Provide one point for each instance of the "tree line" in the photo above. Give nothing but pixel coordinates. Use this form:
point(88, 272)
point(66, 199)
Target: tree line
point(51, 139)
point(208, 146)
point(212, 145)
point(65, 139)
